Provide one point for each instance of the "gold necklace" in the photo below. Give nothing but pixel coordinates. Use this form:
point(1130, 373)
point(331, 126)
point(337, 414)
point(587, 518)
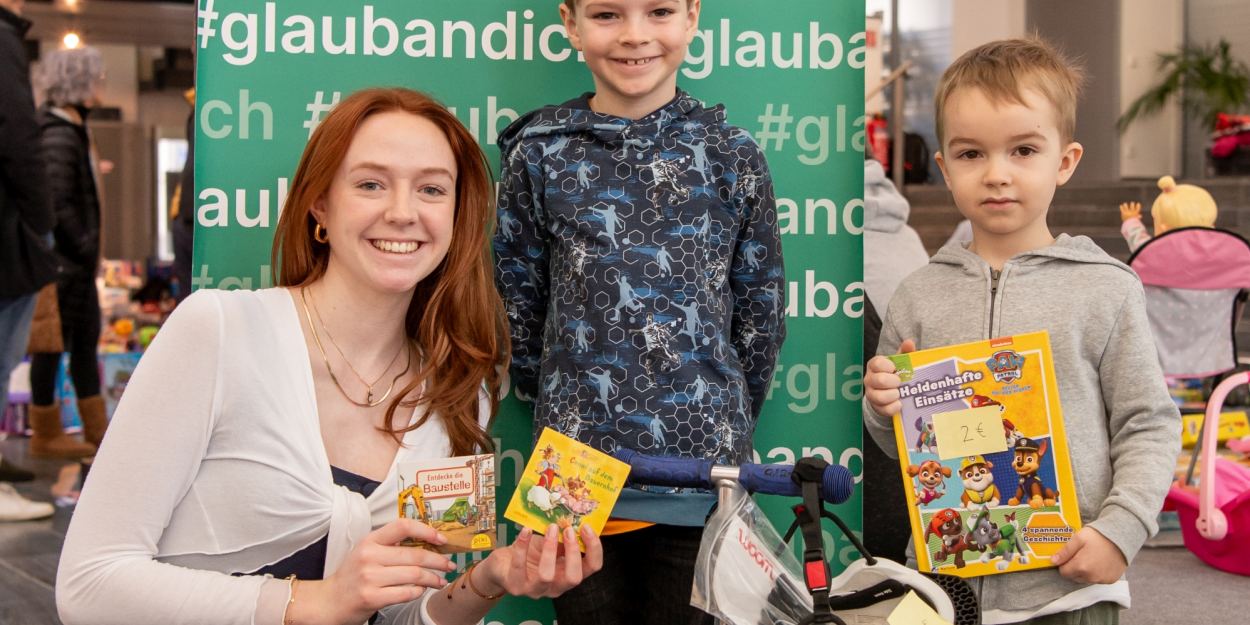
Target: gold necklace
point(369, 397)
point(369, 401)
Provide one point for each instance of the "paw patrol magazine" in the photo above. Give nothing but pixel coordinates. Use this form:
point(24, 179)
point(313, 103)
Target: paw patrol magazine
point(455, 496)
point(566, 483)
point(984, 456)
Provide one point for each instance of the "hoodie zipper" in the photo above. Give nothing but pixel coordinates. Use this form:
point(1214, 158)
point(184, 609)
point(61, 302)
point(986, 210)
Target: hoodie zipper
point(995, 274)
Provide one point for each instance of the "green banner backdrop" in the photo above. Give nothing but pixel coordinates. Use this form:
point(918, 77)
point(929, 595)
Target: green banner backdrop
point(267, 72)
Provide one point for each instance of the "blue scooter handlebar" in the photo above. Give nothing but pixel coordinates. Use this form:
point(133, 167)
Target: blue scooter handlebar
point(836, 483)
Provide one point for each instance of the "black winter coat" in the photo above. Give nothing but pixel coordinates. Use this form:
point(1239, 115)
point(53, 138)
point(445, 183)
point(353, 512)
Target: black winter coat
point(25, 216)
point(72, 187)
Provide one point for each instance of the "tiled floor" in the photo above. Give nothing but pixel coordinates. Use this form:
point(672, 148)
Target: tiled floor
point(1170, 586)
point(29, 551)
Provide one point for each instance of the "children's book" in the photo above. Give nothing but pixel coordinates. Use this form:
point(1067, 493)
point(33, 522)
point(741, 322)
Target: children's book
point(455, 496)
point(983, 451)
point(566, 483)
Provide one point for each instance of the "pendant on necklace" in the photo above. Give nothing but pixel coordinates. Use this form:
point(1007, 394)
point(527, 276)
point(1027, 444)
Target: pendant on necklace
point(369, 397)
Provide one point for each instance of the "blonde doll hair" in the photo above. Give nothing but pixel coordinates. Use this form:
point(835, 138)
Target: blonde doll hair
point(1181, 205)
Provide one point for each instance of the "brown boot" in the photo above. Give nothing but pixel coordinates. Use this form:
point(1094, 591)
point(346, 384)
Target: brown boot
point(50, 439)
point(94, 421)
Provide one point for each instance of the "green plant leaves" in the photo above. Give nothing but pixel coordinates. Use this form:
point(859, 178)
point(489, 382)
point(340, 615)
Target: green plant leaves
point(1207, 79)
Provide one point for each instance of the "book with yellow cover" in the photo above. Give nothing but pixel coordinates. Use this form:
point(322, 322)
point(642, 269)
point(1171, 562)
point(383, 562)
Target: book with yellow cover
point(455, 496)
point(984, 456)
point(566, 483)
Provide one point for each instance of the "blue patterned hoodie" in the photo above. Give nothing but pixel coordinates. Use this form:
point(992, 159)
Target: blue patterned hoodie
point(640, 264)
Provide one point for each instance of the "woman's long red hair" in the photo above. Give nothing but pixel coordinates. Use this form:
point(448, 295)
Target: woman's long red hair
point(456, 317)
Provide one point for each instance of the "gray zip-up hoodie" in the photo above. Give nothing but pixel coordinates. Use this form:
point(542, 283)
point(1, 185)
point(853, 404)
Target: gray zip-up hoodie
point(1123, 431)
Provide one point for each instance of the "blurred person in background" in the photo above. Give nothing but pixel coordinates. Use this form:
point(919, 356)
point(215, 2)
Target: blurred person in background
point(26, 264)
point(886, 212)
point(70, 82)
point(182, 212)
point(892, 251)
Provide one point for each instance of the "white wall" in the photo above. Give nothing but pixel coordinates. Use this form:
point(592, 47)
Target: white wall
point(121, 84)
point(974, 22)
point(164, 110)
point(1152, 146)
point(874, 64)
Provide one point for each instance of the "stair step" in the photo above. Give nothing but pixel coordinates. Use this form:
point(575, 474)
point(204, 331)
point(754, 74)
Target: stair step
point(1091, 210)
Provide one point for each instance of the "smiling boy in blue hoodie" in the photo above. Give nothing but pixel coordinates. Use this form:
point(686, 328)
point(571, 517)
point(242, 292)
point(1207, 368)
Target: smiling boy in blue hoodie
point(639, 258)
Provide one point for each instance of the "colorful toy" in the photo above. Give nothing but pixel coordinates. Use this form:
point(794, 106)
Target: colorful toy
point(1233, 425)
point(124, 327)
point(1241, 446)
point(1215, 517)
point(1194, 279)
point(146, 334)
point(1178, 206)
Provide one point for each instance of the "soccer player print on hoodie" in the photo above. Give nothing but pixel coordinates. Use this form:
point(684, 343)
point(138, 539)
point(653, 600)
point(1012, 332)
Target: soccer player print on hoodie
point(632, 230)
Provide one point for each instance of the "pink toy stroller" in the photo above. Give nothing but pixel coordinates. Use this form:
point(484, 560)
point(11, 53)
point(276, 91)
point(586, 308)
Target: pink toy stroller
point(1196, 281)
point(1215, 517)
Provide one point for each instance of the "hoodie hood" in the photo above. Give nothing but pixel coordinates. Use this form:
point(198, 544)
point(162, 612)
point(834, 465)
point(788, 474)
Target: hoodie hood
point(1078, 249)
point(576, 117)
point(885, 209)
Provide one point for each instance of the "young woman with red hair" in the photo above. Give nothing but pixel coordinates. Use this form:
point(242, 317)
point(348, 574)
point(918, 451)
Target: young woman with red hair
point(249, 473)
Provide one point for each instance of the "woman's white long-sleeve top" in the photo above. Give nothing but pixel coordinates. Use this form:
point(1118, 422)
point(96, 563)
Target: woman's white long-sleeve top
point(213, 465)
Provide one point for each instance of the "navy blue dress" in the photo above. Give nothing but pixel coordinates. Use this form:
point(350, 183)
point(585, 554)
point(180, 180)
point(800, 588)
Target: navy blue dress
point(309, 563)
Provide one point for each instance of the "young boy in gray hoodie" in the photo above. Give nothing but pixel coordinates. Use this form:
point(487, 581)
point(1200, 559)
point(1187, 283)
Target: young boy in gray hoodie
point(1006, 114)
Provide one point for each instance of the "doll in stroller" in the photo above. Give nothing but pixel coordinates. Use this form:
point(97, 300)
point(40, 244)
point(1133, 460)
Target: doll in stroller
point(1196, 278)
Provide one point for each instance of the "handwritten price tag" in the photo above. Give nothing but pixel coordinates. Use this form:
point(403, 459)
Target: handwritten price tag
point(912, 610)
point(969, 432)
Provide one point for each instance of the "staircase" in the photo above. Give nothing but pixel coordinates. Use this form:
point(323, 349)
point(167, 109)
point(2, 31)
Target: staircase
point(1091, 209)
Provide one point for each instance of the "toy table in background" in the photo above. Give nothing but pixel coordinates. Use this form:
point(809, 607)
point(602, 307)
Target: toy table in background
point(115, 372)
point(14, 421)
point(1234, 424)
point(13, 415)
point(1215, 515)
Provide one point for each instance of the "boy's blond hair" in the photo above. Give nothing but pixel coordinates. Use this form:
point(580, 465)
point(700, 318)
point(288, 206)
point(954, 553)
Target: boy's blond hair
point(1003, 69)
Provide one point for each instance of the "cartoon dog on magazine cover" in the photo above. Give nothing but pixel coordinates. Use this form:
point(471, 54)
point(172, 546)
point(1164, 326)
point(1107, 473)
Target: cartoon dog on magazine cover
point(1030, 489)
point(996, 542)
point(931, 477)
point(949, 527)
point(927, 438)
point(979, 488)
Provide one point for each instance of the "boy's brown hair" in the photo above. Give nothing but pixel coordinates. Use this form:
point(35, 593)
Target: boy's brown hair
point(1003, 69)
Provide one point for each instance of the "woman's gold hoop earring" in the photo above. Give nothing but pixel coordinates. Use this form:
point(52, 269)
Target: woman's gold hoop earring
point(319, 234)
